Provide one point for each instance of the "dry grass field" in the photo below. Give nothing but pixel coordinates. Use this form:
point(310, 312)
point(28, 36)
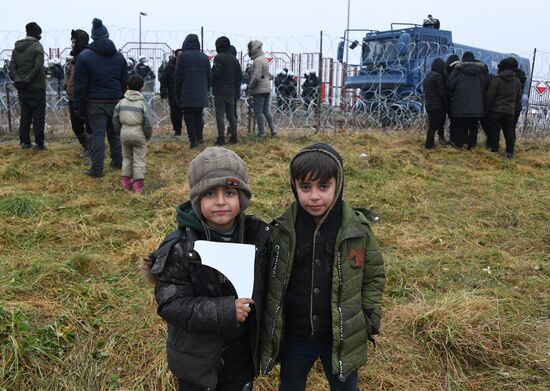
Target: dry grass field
point(465, 235)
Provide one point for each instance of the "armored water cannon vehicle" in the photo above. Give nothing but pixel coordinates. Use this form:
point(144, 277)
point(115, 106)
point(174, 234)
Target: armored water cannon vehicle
point(395, 62)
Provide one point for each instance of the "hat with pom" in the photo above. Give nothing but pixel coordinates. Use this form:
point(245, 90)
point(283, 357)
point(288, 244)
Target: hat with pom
point(99, 31)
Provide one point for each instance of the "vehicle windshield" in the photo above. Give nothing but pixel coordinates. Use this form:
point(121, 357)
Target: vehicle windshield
point(382, 51)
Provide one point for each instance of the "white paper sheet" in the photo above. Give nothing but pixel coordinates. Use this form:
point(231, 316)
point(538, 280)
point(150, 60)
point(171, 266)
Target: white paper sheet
point(234, 260)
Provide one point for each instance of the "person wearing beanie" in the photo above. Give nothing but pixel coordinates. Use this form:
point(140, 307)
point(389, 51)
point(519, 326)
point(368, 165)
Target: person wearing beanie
point(27, 69)
point(193, 78)
point(213, 335)
point(226, 79)
point(260, 87)
point(100, 79)
point(503, 106)
point(466, 88)
point(133, 120)
point(79, 42)
point(325, 291)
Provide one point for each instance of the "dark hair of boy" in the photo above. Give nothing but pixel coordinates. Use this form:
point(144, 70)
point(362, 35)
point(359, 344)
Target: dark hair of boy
point(313, 166)
point(135, 82)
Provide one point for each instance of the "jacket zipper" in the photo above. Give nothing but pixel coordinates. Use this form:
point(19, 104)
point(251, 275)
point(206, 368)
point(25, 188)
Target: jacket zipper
point(341, 320)
point(311, 288)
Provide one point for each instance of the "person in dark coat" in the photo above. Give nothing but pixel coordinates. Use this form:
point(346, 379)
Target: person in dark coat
point(435, 102)
point(144, 70)
point(233, 52)
point(99, 83)
point(311, 89)
point(226, 78)
point(168, 85)
point(520, 74)
point(466, 88)
point(503, 105)
point(79, 42)
point(27, 70)
point(193, 78)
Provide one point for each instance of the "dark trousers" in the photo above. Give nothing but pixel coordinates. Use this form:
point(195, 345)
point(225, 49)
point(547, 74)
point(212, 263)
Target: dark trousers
point(298, 357)
point(235, 373)
point(194, 123)
point(176, 117)
point(466, 132)
point(33, 111)
point(436, 123)
point(79, 126)
point(225, 107)
point(100, 121)
point(506, 122)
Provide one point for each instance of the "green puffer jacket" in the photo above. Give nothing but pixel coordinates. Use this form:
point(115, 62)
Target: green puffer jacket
point(27, 64)
point(357, 289)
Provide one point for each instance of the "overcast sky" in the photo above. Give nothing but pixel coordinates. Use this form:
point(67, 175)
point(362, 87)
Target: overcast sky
point(489, 24)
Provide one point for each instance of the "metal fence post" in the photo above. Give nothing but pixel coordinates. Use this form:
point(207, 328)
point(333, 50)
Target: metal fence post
point(529, 91)
point(319, 98)
point(8, 106)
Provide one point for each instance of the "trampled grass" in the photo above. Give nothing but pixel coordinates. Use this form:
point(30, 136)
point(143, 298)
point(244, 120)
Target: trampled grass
point(466, 239)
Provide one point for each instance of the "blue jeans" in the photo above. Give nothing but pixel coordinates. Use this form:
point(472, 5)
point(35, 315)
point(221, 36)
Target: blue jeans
point(298, 357)
point(100, 121)
point(262, 107)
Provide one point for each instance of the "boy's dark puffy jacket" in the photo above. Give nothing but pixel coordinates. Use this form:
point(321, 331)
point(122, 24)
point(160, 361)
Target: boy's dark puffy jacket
point(504, 93)
point(355, 284)
point(192, 300)
point(435, 96)
point(100, 73)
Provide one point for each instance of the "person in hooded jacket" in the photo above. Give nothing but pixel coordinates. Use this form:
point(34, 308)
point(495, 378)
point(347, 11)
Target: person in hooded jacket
point(520, 74)
point(435, 102)
point(100, 80)
point(79, 42)
point(503, 106)
point(193, 79)
point(213, 335)
point(326, 283)
point(226, 78)
point(466, 88)
point(260, 87)
point(168, 84)
point(27, 71)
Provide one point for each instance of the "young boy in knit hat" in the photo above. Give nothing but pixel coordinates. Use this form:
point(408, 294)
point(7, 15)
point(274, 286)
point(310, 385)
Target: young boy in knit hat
point(213, 335)
point(133, 120)
point(326, 280)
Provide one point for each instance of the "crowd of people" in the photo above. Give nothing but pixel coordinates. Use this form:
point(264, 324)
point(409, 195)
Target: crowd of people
point(463, 90)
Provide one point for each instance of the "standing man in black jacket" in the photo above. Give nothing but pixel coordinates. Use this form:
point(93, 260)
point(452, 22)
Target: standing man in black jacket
point(27, 68)
point(466, 88)
point(226, 79)
point(168, 84)
point(193, 79)
point(435, 102)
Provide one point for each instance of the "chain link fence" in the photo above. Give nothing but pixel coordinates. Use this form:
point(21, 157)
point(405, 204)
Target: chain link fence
point(323, 105)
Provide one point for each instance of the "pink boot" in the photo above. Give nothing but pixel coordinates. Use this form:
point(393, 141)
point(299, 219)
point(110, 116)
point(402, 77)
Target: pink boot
point(126, 182)
point(137, 186)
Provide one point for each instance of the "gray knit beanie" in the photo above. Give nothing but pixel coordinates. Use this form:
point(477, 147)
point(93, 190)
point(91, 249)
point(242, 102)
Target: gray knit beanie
point(217, 166)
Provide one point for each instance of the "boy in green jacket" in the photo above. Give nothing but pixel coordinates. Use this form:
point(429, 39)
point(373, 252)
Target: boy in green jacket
point(326, 279)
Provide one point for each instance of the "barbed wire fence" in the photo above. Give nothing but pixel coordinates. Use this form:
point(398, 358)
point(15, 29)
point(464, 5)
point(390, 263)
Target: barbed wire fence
point(331, 107)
